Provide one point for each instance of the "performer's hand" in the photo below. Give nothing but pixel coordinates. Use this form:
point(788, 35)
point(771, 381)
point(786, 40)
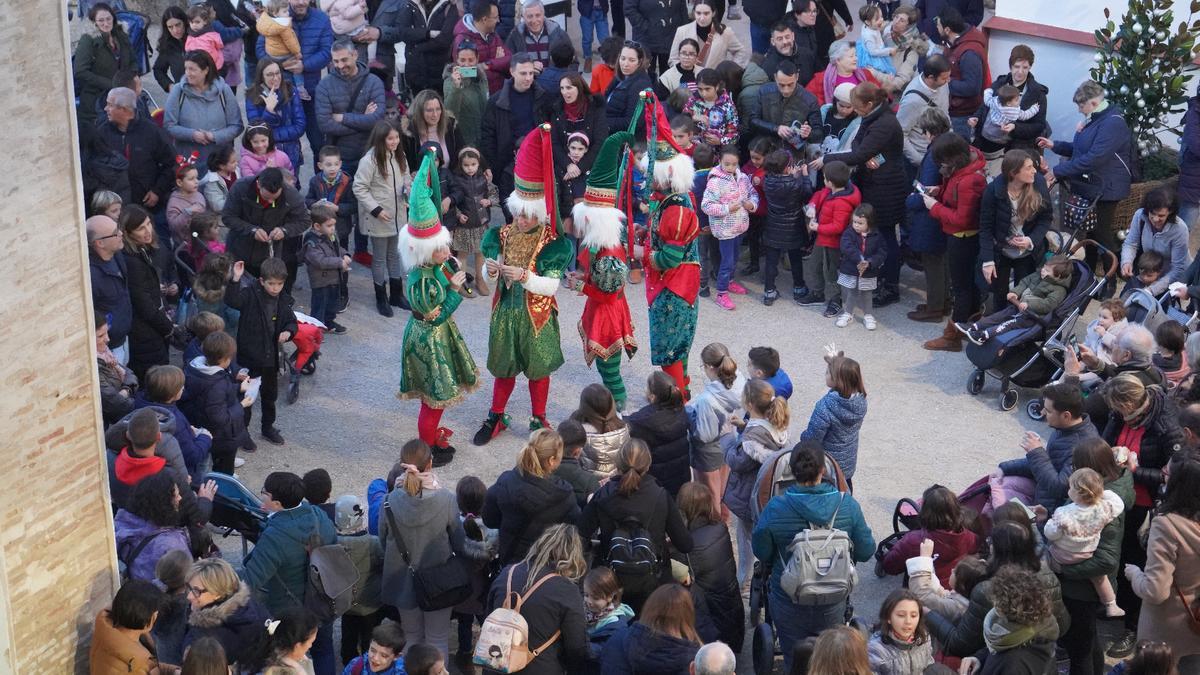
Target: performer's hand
point(435, 312)
point(492, 267)
point(458, 279)
point(512, 272)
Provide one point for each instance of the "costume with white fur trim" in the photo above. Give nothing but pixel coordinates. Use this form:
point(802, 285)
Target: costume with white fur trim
point(606, 327)
point(436, 365)
point(524, 334)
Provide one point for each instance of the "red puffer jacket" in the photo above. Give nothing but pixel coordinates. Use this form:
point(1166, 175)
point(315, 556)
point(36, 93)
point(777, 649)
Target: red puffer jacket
point(958, 201)
point(834, 210)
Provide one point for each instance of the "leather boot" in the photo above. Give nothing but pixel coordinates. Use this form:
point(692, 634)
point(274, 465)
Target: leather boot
point(950, 341)
point(381, 300)
point(396, 293)
point(924, 314)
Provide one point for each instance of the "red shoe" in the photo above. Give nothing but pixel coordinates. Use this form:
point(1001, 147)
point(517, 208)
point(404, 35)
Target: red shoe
point(362, 258)
point(736, 288)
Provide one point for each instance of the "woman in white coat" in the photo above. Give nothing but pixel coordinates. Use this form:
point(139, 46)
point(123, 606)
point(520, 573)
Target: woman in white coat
point(381, 186)
point(717, 42)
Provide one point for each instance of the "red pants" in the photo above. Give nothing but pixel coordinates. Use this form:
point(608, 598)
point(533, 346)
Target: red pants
point(308, 339)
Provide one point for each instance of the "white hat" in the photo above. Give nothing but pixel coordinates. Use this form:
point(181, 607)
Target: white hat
point(842, 92)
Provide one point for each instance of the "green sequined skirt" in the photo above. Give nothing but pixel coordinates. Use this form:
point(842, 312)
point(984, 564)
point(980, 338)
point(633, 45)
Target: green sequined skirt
point(436, 366)
point(672, 328)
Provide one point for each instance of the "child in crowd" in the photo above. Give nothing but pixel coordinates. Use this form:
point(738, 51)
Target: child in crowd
point(577, 146)
point(327, 261)
point(465, 86)
point(202, 35)
point(603, 74)
point(860, 259)
point(763, 363)
point(900, 642)
point(170, 574)
point(829, 214)
point(222, 163)
point(606, 432)
point(713, 110)
point(365, 615)
point(593, 19)
point(713, 414)
point(106, 203)
point(641, 209)
point(1036, 296)
point(481, 544)
point(838, 416)
point(1000, 108)
point(1073, 531)
point(728, 200)
point(279, 40)
point(953, 602)
point(710, 256)
point(206, 236)
point(384, 656)
point(871, 51)
point(184, 201)
point(266, 322)
point(575, 468)
point(683, 130)
point(1103, 331)
point(318, 488)
point(764, 434)
point(839, 121)
point(348, 17)
point(208, 291)
point(785, 190)
point(476, 197)
point(605, 613)
point(424, 659)
point(335, 187)
point(213, 399)
point(1170, 357)
point(1150, 267)
point(759, 149)
point(259, 152)
point(163, 388)
point(201, 325)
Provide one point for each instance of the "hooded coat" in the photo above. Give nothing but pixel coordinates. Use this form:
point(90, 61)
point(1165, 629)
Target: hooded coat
point(234, 622)
point(1007, 654)
point(787, 227)
point(132, 530)
point(714, 571)
point(665, 431)
point(212, 400)
point(431, 530)
point(167, 448)
point(521, 506)
point(333, 95)
point(834, 211)
point(114, 653)
point(638, 650)
point(710, 412)
point(258, 334)
point(187, 111)
point(277, 567)
point(1098, 160)
point(957, 207)
point(889, 657)
point(758, 441)
point(949, 547)
point(835, 423)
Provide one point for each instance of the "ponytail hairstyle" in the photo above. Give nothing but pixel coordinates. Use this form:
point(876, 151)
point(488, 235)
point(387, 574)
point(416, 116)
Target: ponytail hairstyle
point(414, 453)
point(280, 635)
point(543, 446)
point(716, 355)
point(846, 376)
point(759, 397)
point(597, 408)
point(664, 390)
point(633, 461)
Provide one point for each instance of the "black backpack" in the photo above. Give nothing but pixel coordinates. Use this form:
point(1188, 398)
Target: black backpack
point(632, 558)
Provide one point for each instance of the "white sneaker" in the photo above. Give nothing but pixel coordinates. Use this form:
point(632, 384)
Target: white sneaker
point(238, 462)
point(869, 322)
point(843, 320)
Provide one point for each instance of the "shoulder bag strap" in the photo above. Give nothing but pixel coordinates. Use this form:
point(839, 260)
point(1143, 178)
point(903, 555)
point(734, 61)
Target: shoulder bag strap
point(835, 512)
point(357, 90)
point(521, 598)
point(141, 546)
point(387, 511)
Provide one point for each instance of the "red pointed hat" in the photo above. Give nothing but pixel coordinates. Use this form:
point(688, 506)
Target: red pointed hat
point(533, 177)
point(665, 147)
point(672, 166)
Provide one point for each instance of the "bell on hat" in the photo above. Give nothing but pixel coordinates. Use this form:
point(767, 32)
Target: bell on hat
point(424, 234)
point(597, 217)
point(672, 166)
point(534, 178)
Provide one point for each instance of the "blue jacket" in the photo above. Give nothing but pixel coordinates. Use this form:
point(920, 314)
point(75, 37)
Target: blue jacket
point(315, 34)
point(359, 665)
point(637, 649)
point(318, 189)
point(699, 184)
point(1189, 154)
point(287, 124)
point(333, 96)
point(110, 295)
point(276, 568)
point(1101, 151)
point(853, 250)
point(1051, 466)
point(800, 507)
point(377, 491)
point(924, 231)
point(835, 422)
point(193, 446)
point(212, 400)
point(781, 383)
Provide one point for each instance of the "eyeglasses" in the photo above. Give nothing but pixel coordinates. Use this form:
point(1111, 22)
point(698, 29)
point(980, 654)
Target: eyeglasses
point(107, 236)
point(196, 590)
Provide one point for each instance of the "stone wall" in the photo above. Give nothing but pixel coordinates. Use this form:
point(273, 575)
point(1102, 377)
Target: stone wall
point(57, 558)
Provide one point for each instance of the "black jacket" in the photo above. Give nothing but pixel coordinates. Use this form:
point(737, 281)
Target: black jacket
point(665, 431)
point(523, 506)
point(212, 400)
point(787, 226)
point(151, 326)
point(234, 622)
point(496, 137)
point(594, 125)
point(654, 22)
point(853, 250)
point(258, 334)
point(886, 187)
point(243, 213)
point(168, 66)
point(621, 98)
point(1163, 438)
point(766, 13)
point(424, 56)
point(714, 571)
point(650, 504)
point(804, 55)
point(412, 149)
point(556, 606)
point(770, 109)
point(824, 29)
point(151, 157)
point(1025, 132)
point(110, 295)
point(995, 218)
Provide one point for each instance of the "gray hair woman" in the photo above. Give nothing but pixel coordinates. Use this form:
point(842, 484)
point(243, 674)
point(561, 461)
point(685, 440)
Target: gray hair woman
point(843, 63)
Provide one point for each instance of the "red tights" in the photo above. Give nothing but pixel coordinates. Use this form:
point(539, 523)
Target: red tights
point(427, 424)
point(539, 393)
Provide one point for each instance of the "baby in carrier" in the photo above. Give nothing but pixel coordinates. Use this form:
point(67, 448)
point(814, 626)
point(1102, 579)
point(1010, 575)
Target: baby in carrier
point(1035, 297)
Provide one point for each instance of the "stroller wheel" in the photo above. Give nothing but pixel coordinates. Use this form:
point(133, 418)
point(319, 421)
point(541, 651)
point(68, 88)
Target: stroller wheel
point(756, 602)
point(1008, 399)
point(975, 382)
point(879, 567)
point(1036, 409)
point(764, 649)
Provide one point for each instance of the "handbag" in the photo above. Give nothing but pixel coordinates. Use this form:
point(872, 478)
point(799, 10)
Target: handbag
point(1192, 611)
point(1078, 213)
point(839, 28)
point(438, 586)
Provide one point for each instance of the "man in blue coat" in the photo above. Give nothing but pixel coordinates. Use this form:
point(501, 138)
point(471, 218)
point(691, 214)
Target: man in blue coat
point(315, 34)
point(110, 287)
point(276, 569)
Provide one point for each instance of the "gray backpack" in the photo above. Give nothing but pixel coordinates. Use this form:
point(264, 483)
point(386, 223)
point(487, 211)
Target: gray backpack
point(821, 570)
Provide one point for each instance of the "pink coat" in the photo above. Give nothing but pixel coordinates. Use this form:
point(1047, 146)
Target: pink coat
point(210, 42)
point(723, 191)
point(251, 164)
point(345, 15)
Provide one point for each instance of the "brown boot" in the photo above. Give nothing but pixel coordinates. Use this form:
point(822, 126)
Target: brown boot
point(950, 341)
point(925, 315)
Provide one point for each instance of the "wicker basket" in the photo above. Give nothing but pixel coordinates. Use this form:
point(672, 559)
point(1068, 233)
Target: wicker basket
point(1129, 205)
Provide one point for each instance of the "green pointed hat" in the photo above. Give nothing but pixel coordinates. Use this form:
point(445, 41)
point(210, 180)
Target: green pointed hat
point(603, 182)
point(425, 198)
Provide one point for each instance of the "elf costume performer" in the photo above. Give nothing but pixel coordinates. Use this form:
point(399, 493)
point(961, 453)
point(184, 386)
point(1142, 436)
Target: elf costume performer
point(672, 256)
point(525, 259)
point(436, 365)
point(606, 327)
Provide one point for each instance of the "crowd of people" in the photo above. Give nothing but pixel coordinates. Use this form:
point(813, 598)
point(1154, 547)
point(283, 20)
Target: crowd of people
point(502, 159)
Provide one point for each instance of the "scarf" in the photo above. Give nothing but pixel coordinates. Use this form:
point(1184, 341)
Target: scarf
point(577, 110)
point(262, 201)
point(829, 81)
point(1000, 636)
point(428, 480)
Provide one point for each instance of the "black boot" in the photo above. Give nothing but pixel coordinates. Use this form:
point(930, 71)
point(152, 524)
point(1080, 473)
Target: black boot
point(381, 300)
point(396, 290)
point(886, 294)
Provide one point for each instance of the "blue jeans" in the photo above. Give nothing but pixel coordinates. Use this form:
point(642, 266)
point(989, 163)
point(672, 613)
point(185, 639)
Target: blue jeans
point(597, 21)
point(794, 622)
point(324, 303)
point(323, 657)
point(729, 256)
point(959, 126)
point(760, 38)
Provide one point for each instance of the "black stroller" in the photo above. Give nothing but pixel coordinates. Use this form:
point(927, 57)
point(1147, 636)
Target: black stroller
point(1034, 356)
point(236, 509)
